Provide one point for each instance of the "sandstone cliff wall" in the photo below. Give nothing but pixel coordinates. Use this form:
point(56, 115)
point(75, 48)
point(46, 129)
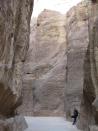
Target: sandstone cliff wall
point(45, 65)
point(61, 65)
point(89, 105)
point(14, 40)
point(57, 43)
point(26, 108)
point(77, 43)
point(81, 77)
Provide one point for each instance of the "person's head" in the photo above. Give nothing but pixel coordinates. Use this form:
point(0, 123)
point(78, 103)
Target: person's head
point(75, 109)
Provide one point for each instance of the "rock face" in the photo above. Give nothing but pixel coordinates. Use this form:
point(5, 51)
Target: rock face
point(17, 123)
point(82, 68)
point(26, 108)
point(61, 65)
point(45, 64)
point(89, 105)
point(77, 41)
point(14, 39)
point(50, 59)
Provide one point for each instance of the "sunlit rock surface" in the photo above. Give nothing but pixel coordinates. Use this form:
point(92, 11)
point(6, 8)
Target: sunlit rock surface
point(45, 64)
point(61, 65)
point(77, 41)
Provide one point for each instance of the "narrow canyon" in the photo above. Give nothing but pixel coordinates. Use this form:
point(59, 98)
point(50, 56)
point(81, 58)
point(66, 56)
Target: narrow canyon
point(48, 64)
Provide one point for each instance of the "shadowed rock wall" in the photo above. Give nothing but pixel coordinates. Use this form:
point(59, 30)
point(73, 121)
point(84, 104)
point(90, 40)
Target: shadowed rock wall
point(14, 40)
point(89, 105)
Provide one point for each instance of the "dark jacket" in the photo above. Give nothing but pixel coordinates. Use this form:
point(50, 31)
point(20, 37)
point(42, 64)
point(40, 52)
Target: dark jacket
point(75, 114)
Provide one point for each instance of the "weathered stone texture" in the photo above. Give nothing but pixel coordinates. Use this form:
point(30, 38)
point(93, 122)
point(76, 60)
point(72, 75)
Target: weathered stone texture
point(89, 106)
point(14, 40)
point(45, 63)
point(82, 77)
point(17, 123)
point(77, 41)
point(26, 108)
point(59, 43)
point(93, 128)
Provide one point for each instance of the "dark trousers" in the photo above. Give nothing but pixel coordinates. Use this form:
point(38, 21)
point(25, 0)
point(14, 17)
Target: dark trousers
point(74, 121)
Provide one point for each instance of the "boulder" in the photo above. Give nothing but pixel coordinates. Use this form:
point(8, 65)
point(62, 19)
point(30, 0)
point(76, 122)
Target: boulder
point(16, 123)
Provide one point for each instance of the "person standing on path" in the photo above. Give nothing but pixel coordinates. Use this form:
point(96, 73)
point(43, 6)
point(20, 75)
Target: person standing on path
point(74, 116)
